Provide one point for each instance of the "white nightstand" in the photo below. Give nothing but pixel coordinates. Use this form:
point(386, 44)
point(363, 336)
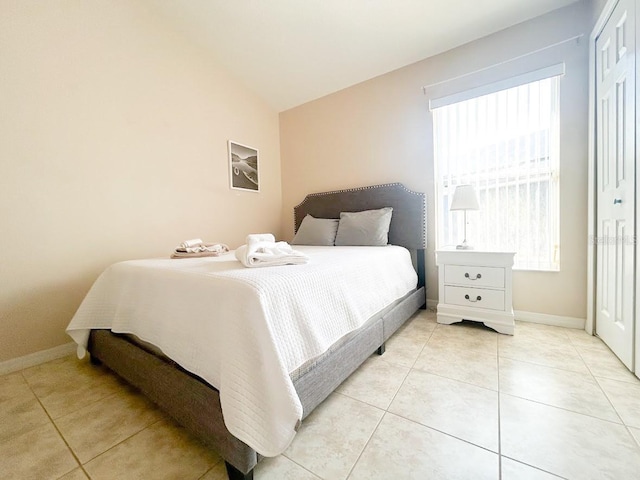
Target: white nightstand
point(476, 285)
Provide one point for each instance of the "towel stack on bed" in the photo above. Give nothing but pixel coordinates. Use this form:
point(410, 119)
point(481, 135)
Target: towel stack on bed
point(262, 250)
point(197, 248)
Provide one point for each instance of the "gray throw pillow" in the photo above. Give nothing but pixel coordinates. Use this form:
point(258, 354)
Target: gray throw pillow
point(367, 228)
point(316, 231)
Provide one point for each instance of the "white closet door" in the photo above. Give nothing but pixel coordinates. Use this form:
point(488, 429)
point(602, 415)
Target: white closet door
point(615, 165)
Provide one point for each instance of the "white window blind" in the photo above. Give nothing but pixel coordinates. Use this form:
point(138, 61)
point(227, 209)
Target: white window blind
point(506, 145)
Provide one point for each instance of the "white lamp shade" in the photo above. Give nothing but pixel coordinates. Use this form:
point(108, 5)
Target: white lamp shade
point(465, 198)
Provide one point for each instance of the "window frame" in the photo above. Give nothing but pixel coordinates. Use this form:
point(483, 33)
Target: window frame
point(443, 217)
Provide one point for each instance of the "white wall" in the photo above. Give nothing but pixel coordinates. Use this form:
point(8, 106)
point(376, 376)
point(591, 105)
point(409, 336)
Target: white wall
point(113, 145)
point(596, 7)
point(380, 131)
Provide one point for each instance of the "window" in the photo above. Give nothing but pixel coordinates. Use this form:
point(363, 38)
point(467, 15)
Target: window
point(506, 145)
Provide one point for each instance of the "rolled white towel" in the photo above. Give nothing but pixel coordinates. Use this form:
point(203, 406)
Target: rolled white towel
point(260, 237)
point(269, 254)
point(195, 242)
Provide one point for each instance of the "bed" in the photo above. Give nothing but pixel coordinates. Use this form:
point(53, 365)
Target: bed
point(187, 394)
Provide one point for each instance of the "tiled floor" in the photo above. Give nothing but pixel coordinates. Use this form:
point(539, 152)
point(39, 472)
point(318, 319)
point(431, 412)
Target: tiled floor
point(443, 402)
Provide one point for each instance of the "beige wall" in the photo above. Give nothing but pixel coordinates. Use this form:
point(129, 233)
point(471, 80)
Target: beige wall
point(380, 131)
point(113, 134)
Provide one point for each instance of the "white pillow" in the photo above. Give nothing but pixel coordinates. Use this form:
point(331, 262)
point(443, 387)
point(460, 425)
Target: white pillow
point(316, 231)
point(367, 228)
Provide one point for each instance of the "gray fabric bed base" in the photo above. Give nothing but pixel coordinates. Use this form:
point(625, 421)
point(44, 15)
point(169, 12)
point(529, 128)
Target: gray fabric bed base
point(196, 405)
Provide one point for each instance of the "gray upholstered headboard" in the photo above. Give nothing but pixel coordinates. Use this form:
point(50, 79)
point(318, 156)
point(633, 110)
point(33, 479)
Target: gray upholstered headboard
point(408, 221)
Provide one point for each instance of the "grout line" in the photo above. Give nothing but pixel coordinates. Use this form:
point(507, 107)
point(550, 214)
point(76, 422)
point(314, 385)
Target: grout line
point(435, 374)
point(633, 437)
point(621, 423)
point(79, 463)
point(443, 432)
point(221, 461)
point(595, 379)
point(547, 366)
point(534, 467)
point(406, 375)
point(365, 446)
point(298, 464)
point(386, 410)
point(55, 426)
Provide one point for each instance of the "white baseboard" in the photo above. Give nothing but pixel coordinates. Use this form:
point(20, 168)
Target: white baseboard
point(533, 317)
point(553, 320)
point(20, 363)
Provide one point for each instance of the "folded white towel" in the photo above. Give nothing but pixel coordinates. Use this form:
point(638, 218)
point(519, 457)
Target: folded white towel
point(205, 247)
point(197, 248)
point(195, 242)
point(262, 250)
point(260, 237)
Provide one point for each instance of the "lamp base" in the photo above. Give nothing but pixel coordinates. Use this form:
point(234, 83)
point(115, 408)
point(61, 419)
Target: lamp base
point(464, 246)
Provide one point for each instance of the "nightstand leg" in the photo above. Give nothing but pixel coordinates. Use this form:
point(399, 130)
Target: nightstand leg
point(447, 319)
point(501, 328)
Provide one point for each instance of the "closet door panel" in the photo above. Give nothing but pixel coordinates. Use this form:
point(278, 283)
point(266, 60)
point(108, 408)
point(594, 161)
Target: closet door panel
point(615, 171)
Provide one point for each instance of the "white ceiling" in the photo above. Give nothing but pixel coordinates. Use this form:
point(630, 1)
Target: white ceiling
point(294, 51)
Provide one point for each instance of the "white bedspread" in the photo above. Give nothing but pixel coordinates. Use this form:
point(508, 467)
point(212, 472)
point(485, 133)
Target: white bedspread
point(244, 330)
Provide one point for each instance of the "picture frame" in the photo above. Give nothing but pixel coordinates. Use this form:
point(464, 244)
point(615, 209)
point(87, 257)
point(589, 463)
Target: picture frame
point(243, 167)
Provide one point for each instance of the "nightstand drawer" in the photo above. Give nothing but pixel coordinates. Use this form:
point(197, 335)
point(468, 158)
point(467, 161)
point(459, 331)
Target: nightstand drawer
point(474, 276)
point(474, 297)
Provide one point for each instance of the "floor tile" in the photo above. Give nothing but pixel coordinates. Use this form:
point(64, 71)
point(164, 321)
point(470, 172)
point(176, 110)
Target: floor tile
point(512, 470)
point(422, 323)
point(161, 451)
point(376, 382)
point(219, 472)
point(603, 363)
point(625, 398)
point(565, 443)
point(401, 449)
point(555, 417)
point(13, 386)
point(468, 336)
point(578, 392)
point(459, 364)
point(76, 474)
point(20, 411)
point(68, 384)
point(99, 426)
point(540, 332)
point(333, 436)
point(459, 409)
point(275, 468)
point(38, 454)
point(403, 348)
point(550, 354)
point(281, 468)
point(580, 338)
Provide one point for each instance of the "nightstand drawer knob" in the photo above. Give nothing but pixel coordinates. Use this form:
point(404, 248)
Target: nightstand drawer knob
point(466, 275)
point(478, 298)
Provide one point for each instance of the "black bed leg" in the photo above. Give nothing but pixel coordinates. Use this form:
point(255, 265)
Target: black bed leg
point(235, 474)
point(380, 349)
point(94, 360)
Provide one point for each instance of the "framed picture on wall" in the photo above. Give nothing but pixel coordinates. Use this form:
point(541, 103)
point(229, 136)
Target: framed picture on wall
point(243, 167)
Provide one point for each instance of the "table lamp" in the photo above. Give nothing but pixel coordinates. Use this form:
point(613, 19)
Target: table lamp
point(464, 198)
